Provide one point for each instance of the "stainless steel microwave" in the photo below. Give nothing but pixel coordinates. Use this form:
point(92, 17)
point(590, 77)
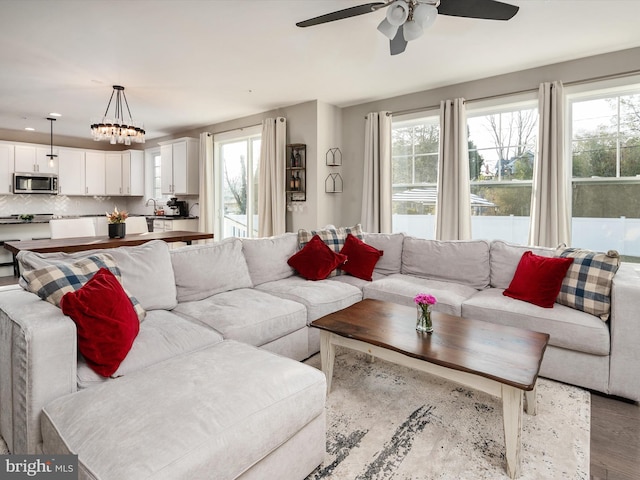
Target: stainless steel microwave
point(35, 183)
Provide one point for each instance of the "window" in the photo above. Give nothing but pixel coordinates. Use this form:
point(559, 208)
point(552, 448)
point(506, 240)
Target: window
point(415, 144)
point(237, 165)
point(604, 138)
point(157, 176)
point(502, 152)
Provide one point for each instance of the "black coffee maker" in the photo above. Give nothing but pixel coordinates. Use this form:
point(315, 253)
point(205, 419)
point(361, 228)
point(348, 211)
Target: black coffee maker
point(177, 208)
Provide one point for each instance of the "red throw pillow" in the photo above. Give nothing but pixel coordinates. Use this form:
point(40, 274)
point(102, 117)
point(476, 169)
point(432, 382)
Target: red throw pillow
point(362, 258)
point(106, 321)
point(316, 260)
point(538, 279)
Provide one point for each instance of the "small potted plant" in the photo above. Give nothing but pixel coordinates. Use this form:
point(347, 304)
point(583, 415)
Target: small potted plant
point(117, 225)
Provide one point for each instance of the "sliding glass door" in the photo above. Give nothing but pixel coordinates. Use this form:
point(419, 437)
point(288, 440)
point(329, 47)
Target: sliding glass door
point(237, 167)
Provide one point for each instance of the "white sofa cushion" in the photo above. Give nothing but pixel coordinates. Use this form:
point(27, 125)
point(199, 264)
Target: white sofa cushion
point(146, 270)
point(162, 335)
point(204, 270)
point(321, 297)
point(267, 257)
point(505, 258)
point(391, 245)
point(213, 413)
point(568, 328)
point(463, 261)
point(402, 289)
point(246, 315)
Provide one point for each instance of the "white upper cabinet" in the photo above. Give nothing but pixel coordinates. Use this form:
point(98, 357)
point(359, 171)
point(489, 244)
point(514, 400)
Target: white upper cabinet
point(80, 172)
point(179, 167)
point(125, 173)
point(34, 159)
point(6, 168)
point(135, 161)
point(71, 172)
point(113, 173)
point(95, 173)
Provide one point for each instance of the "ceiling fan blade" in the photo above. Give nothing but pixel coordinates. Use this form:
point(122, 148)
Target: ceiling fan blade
point(398, 44)
point(485, 9)
point(340, 14)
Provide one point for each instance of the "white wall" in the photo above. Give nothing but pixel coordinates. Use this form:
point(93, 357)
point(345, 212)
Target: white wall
point(328, 205)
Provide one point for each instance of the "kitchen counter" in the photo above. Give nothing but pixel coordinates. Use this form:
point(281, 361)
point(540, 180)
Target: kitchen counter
point(44, 218)
point(172, 217)
point(15, 220)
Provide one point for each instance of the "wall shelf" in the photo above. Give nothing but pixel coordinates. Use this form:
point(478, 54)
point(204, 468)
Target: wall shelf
point(296, 172)
point(333, 157)
point(333, 183)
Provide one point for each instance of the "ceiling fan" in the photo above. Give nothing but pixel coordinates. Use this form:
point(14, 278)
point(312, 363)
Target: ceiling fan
point(406, 20)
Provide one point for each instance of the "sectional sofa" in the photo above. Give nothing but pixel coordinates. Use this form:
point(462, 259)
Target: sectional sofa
point(201, 390)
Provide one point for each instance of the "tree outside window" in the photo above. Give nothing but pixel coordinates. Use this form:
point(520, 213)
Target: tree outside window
point(605, 165)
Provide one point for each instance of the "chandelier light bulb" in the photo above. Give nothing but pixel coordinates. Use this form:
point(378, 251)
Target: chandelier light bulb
point(397, 13)
point(116, 130)
point(412, 30)
point(425, 15)
point(387, 29)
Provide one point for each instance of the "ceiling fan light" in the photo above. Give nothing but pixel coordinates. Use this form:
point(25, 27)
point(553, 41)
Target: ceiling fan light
point(412, 30)
point(425, 14)
point(397, 13)
point(387, 29)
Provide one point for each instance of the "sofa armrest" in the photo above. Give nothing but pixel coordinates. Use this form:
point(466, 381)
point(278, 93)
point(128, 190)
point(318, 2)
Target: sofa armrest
point(624, 374)
point(38, 363)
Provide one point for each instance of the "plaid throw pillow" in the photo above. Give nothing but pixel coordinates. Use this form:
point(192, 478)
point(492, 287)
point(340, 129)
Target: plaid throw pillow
point(587, 284)
point(334, 238)
point(52, 282)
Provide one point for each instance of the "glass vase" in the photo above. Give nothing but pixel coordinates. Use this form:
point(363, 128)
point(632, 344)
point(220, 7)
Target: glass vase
point(423, 321)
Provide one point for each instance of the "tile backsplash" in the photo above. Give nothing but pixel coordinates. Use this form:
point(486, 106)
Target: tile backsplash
point(64, 205)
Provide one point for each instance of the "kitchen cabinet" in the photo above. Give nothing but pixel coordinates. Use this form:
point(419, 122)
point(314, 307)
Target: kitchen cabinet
point(184, 224)
point(30, 158)
point(6, 168)
point(94, 173)
point(133, 172)
point(71, 174)
point(179, 167)
point(113, 173)
point(124, 173)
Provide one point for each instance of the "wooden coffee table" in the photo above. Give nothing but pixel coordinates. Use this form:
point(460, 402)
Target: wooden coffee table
point(499, 360)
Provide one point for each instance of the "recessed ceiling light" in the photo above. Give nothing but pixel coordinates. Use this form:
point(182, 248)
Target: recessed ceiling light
point(31, 129)
point(54, 114)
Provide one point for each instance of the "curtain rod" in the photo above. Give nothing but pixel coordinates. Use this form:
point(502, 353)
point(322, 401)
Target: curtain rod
point(239, 129)
point(530, 90)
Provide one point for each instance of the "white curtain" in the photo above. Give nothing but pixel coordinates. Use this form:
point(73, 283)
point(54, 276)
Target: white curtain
point(453, 206)
point(376, 186)
point(271, 183)
point(206, 200)
point(550, 215)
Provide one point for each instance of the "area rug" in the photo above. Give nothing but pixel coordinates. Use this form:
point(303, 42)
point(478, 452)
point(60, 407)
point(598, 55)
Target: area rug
point(385, 421)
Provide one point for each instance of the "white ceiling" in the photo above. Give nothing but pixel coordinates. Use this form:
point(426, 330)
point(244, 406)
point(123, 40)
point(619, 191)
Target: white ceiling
point(192, 63)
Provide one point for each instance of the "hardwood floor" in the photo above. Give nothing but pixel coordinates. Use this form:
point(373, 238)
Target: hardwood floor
point(615, 434)
point(615, 439)
point(8, 280)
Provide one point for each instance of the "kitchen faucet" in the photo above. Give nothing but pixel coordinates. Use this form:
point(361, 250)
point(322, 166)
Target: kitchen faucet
point(155, 205)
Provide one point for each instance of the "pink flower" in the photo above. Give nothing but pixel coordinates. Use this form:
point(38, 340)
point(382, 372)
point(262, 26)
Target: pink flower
point(425, 299)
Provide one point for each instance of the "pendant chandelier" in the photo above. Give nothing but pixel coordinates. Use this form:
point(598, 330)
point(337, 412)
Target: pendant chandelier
point(51, 155)
point(115, 129)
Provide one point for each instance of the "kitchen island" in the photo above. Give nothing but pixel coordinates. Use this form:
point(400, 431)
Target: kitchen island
point(78, 244)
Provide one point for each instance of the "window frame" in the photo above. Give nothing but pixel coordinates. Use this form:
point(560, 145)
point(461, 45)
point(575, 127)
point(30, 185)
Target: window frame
point(249, 135)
